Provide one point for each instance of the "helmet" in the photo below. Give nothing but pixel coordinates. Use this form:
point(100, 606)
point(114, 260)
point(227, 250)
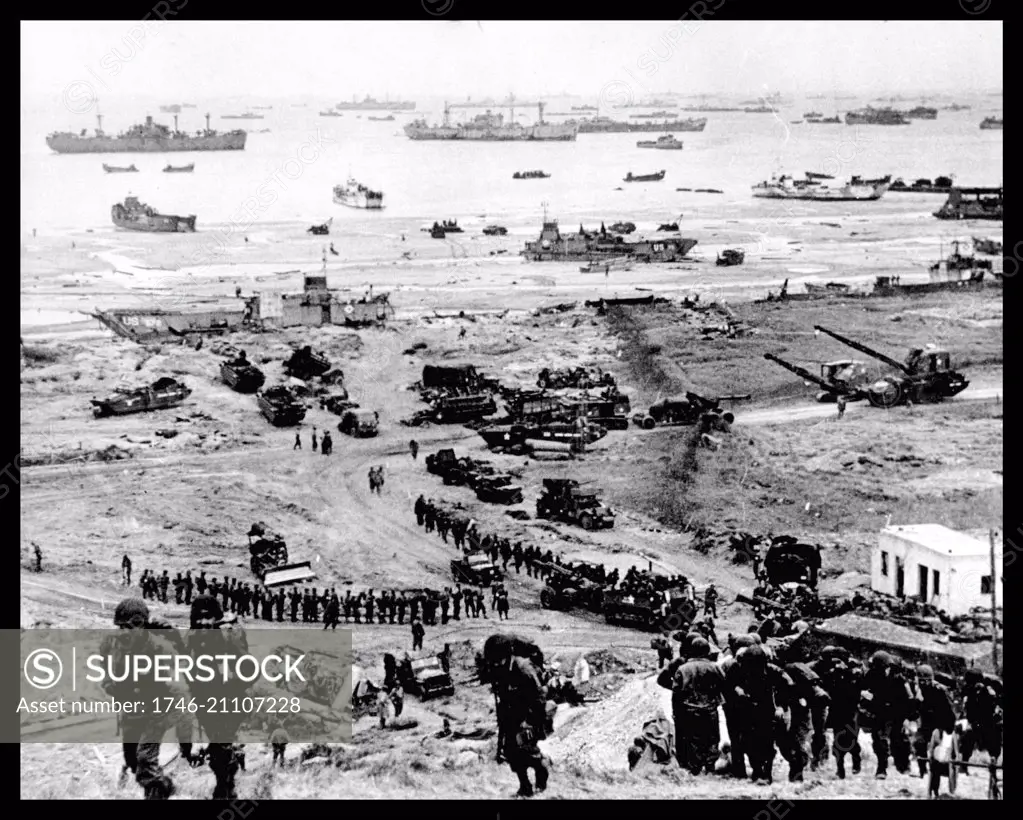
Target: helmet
point(925, 672)
point(881, 659)
point(204, 608)
point(131, 612)
point(698, 648)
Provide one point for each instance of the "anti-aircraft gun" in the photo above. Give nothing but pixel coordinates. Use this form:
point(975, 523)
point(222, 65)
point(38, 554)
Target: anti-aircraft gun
point(844, 377)
point(925, 376)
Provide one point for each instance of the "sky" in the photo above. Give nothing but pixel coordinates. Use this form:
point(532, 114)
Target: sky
point(617, 60)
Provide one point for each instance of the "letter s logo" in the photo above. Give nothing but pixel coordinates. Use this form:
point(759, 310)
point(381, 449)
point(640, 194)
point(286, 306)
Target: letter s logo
point(39, 670)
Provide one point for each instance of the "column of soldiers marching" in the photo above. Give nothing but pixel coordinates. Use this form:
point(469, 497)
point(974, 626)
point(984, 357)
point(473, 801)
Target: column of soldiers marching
point(773, 708)
point(311, 605)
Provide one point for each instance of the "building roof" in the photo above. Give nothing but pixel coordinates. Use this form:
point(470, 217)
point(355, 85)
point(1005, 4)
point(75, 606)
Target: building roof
point(940, 539)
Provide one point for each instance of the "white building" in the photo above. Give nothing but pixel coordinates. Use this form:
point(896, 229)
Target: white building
point(936, 565)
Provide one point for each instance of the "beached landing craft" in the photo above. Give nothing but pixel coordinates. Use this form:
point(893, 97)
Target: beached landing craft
point(598, 247)
point(786, 187)
point(356, 195)
point(137, 216)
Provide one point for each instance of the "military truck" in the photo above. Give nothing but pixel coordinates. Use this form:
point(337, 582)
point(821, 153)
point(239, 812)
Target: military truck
point(424, 676)
point(684, 410)
point(267, 552)
point(164, 392)
point(476, 569)
point(456, 410)
point(361, 423)
point(497, 489)
point(563, 499)
point(241, 375)
point(280, 406)
point(567, 590)
point(306, 364)
point(573, 377)
point(657, 610)
point(456, 471)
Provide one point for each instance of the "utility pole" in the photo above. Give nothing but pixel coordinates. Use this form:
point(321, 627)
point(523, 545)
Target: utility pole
point(994, 618)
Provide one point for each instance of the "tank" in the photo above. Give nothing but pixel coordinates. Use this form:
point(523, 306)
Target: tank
point(164, 392)
point(241, 375)
point(306, 364)
point(280, 406)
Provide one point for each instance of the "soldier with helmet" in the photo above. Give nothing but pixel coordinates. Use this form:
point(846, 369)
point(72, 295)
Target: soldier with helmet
point(213, 634)
point(142, 733)
point(935, 712)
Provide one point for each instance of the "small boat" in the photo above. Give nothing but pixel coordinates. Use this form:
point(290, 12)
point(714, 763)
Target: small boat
point(730, 257)
point(388, 118)
point(824, 120)
point(530, 175)
point(989, 123)
point(988, 246)
point(645, 177)
point(812, 114)
point(495, 230)
point(182, 169)
point(668, 142)
point(115, 169)
point(441, 229)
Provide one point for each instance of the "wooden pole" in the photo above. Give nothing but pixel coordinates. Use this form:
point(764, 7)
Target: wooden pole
point(994, 618)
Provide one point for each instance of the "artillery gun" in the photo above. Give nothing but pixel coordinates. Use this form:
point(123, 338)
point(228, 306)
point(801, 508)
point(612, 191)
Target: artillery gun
point(164, 392)
point(925, 376)
point(844, 377)
point(688, 409)
point(564, 500)
point(306, 364)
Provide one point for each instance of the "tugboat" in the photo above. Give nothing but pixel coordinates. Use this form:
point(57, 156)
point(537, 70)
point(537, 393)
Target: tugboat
point(356, 195)
point(183, 169)
point(668, 143)
point(137, 216)
point(530, 175)
point(644, 177)
point(164, 392)
point(115, 169)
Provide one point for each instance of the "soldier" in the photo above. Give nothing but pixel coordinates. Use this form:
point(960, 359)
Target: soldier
point(126, 570)
point(201, 583)
point(710, 602)
point(841, 678)
point(495, 593)
point(506, 554)
point(886, 700)
point(444, 604)
point(983, 718)
point(697, 691)
point(279, 743)
point(430, 515)
point(357, 602)
point(481, 604)
point(502, 606)
point(188, 587)
point(840, 401)
point(517, 556)
point(443, 525)
point(418, 633)
point(521, 711)
point(346, 605)
point(413, 447)
point(370, 604)
point(664, 650)
point(330, 616)
point(402, 604)
point(756, 693)
point(298, 442)
point(39, 557)
point(269, 600)
point(420, 509)
point(279, 605)
point(179, 588)
point(456, 603)
point(392, 605)
point(207, 636)
point(383, 603)
point(327, 445)
point(469, 596)
point(141, 733)
point(935, 712)
point(314, 439)
point(809, 701)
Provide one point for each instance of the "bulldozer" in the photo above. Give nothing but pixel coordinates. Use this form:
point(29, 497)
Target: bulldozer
point(267, 552)
point(687, 409)
point(843, 377)
point(925, 376)
point(562, 499)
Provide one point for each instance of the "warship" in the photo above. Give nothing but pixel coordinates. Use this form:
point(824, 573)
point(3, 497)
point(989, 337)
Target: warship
point(602, 246)
point(356, 195)
point(876, 116)
point(369, 104)
point(149, 138)
point(814, 187)
point(137, 216)
point(492, 127)
point(605, 125)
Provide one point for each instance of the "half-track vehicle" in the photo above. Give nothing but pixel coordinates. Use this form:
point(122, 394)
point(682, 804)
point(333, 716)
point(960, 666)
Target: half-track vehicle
point(164, 392)
point(656, 610)
point(281, 406)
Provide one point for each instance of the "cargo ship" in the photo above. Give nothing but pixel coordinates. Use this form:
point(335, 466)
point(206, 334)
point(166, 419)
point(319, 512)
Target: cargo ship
point(817, 187)
point(149, 138)
point(598, 246)
point(985, 204)
point(356, 195)
point(137, 216)
point(991, 123)
point(370, 104)
point(876, 116)
point(665, 143)
point(491, 127)
point(922, 112)
point(605, 125)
